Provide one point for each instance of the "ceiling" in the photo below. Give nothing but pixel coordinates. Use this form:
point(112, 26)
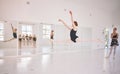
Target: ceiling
point(108, 5)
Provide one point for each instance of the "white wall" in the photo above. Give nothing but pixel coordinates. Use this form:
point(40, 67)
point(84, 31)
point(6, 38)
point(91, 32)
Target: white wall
point(50, 11)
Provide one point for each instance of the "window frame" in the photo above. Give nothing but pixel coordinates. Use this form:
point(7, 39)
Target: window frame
point(46, 30)
point(2, 29)
point(27, 29)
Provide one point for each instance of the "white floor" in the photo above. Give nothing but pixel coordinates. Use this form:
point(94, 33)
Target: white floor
point(60, 61)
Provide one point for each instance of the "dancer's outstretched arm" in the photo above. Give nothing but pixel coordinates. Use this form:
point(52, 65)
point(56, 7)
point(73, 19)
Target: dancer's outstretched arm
point(64, 24)
point(12, 28)
point(73, 25)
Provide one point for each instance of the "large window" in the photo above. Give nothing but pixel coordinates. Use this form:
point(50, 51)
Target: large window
point(46, 31)
point(106, 37)
point(26, 29)
point(1, 31)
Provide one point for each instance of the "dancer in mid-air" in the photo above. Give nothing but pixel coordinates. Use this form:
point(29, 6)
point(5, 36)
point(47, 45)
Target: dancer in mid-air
point(14, 30)
point(114, 42)
point(72, 29)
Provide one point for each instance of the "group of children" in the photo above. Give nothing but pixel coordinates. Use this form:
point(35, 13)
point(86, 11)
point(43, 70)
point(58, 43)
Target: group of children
point(27, 40)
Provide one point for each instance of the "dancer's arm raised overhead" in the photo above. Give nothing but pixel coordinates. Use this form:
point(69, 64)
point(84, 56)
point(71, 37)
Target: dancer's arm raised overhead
point(72, 20)
point(12, 28)
point(64, 24)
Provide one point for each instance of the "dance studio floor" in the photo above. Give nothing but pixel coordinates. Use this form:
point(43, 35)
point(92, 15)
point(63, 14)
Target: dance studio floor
point(60, 60)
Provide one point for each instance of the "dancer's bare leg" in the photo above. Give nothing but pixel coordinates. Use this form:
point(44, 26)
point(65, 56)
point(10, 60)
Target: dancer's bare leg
point(34, 44)
point(23, 42)
point(114, 52)
point(51, 43)
point(110, 52)
point(9, 40)
point(19, 44)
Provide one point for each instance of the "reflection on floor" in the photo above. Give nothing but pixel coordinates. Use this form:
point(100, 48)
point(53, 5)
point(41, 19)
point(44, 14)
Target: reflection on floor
point(69, 61)
point(28, 51)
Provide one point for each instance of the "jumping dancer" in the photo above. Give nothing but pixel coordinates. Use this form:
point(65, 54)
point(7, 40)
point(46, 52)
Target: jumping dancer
point(14, 30)
point(72, 29)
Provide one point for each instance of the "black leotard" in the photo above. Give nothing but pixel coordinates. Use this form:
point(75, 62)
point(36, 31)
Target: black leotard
point(34, 38)
point(51, 37)
point(20, 39)
point(73, 35)
point(15, 35)
point(114, 40)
